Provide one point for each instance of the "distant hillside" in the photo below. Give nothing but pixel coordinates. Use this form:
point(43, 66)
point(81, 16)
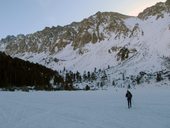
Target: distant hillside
point(16, 73)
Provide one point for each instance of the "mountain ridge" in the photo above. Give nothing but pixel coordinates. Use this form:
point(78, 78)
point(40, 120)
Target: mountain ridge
point(56, 38)
point(156, 10)
point(130, 44)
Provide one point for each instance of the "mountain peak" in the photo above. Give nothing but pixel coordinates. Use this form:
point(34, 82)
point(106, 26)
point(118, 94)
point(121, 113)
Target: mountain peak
point(155, 10)
point(111, 14)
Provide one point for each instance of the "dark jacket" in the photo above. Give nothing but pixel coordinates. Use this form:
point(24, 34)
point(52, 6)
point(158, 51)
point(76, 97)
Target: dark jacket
point(129, 95)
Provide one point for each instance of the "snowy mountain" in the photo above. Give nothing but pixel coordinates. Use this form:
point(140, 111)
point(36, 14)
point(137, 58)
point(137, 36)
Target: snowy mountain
point(127, 45)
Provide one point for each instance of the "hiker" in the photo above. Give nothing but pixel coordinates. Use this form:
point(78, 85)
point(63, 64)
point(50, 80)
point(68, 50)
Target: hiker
point(129, 98)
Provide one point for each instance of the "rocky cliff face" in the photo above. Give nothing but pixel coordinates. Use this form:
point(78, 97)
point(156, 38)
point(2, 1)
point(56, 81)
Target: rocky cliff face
point(157, 10)
point(96, 28)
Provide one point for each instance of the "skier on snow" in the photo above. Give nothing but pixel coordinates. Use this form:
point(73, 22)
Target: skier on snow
point(129, 98)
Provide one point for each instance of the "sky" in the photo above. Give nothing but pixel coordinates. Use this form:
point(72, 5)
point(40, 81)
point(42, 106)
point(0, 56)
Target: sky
point(29, 16)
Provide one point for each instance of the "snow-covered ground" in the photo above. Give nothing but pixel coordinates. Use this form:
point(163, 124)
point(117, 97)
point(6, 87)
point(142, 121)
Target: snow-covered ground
point(86, 109)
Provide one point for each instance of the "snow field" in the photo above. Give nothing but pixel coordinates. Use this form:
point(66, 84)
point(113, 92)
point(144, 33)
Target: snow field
point(86, 109)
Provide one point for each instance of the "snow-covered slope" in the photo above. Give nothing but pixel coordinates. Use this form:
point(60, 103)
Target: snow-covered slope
point(150, 47)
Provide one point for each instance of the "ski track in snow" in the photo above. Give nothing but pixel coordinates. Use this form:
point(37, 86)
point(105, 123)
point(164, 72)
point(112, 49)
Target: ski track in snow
point(86, 109)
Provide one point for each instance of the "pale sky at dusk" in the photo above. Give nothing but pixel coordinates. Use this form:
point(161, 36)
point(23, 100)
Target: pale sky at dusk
point(28, 16)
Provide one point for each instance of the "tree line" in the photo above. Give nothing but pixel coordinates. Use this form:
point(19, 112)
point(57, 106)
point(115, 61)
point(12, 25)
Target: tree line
point(17, 73)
